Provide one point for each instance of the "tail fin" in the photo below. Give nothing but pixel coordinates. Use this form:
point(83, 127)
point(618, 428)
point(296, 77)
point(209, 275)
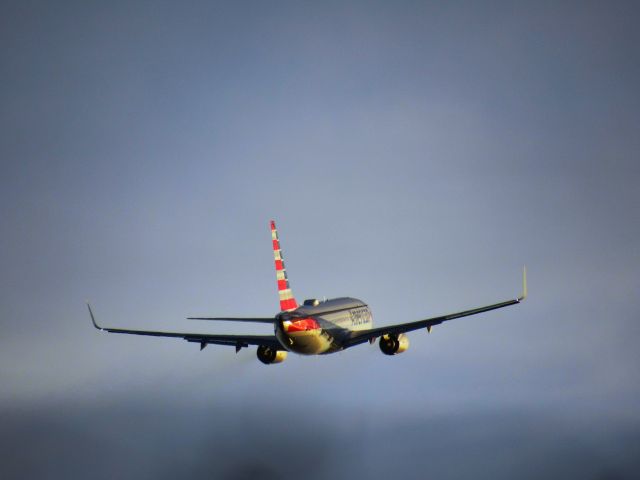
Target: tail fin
point(287, 301)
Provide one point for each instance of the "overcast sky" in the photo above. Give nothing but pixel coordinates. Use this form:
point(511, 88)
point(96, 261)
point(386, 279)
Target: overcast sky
point(414, 155)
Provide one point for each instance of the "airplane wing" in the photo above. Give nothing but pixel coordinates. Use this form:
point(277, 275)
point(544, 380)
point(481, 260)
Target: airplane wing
point(370, 335)
point(238, 341)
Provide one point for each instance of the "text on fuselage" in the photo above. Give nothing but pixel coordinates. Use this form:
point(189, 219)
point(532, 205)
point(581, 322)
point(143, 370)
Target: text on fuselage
point(359, 316)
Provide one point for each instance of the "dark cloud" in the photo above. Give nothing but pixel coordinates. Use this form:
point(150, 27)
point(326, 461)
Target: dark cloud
point(159, 440)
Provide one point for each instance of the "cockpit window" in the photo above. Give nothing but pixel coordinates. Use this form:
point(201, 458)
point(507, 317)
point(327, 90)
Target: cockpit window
point(311, 302)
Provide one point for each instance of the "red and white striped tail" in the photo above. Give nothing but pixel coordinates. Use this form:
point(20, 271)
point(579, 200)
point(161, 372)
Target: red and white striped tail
point(287, 301)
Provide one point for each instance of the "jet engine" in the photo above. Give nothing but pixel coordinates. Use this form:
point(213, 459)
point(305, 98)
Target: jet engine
point(392, 344)
point(268, 355)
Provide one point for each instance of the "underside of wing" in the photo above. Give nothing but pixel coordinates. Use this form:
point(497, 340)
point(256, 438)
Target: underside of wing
point(367, 335)
point(238, 341)
point(370, 335)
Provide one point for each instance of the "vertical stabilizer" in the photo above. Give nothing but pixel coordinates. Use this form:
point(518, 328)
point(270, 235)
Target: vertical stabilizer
point(287, 301)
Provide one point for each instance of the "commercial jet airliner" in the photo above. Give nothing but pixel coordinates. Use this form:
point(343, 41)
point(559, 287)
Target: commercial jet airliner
point(316, 327)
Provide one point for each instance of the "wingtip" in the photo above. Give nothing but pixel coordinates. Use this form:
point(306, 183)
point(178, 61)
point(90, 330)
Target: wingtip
point(93, 319)
point(524, 284)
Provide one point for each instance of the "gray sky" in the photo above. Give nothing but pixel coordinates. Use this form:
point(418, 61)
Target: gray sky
point(414, 155)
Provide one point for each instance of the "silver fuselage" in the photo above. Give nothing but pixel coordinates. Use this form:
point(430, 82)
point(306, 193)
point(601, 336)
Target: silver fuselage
point(323, 328)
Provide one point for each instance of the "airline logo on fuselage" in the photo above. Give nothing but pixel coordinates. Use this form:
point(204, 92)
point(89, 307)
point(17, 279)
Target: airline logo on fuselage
point(359, 316)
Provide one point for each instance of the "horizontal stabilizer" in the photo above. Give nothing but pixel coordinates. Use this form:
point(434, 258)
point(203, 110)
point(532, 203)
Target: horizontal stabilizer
point(237, 319)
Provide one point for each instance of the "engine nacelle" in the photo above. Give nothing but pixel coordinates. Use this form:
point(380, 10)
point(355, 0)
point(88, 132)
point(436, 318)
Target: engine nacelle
point(268, 355)
point(393, 344)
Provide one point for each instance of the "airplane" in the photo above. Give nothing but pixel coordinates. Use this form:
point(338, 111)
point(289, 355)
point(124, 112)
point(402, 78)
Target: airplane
point(317, 327)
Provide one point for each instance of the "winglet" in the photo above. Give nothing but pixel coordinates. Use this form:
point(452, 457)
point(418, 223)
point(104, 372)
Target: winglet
point(93, 320)
point(524, 284)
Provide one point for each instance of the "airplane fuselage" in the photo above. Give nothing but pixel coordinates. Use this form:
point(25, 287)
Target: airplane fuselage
point(322, 327)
